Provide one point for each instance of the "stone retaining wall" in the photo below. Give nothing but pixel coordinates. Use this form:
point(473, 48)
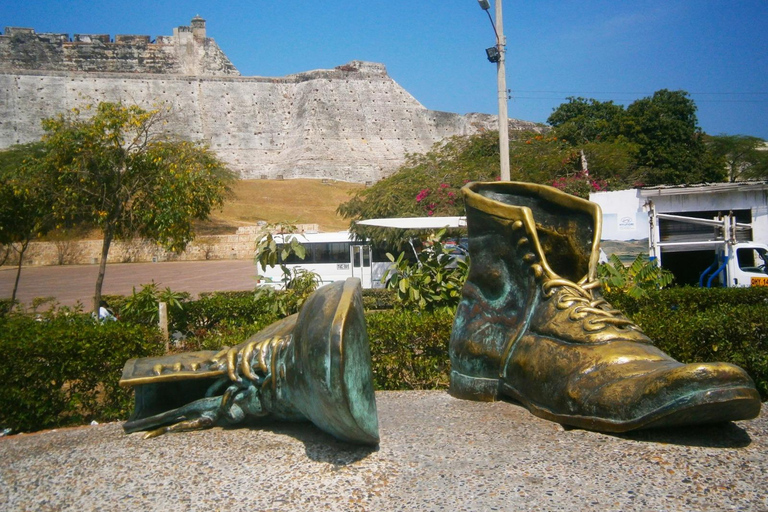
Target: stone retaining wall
point(241, 245)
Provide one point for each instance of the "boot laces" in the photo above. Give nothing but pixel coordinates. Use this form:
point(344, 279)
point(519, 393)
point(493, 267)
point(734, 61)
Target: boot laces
point(594, 313)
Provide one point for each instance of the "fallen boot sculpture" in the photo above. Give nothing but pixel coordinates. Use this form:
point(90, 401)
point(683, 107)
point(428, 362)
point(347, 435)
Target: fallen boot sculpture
point(312, 366)
point(532, 325)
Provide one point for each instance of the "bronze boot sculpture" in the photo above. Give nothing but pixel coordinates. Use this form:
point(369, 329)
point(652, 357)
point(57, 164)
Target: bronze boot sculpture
point(315, 365)
point(532, 325)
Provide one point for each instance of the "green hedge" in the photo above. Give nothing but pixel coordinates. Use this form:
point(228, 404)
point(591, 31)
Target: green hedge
point(688, 298)
point(409, 350)
point(65, 370)
point(375, 299)
point(230, 309)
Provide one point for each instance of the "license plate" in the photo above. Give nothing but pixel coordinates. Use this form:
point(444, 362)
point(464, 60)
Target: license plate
point(759, 281)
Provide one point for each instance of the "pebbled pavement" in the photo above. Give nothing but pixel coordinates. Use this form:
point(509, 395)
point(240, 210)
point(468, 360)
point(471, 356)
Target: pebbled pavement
point(436, 453)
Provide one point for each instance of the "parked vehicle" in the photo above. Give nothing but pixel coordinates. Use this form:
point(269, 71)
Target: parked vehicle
point(720, 251)
point(332, 256)
point(337, 256)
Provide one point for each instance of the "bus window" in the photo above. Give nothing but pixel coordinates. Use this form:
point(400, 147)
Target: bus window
point(292, 258)
point(332, 252)
point(320, 252)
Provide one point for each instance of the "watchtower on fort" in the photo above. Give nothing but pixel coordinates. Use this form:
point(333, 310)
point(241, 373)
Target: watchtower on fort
point(187, 52)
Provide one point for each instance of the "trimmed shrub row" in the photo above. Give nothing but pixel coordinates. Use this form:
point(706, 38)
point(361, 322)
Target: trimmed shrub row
point(409, 350)
point(63, 369)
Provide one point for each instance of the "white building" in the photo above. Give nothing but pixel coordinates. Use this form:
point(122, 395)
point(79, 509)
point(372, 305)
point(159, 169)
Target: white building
point(626, 218)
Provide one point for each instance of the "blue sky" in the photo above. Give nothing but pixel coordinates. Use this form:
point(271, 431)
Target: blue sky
point(607, 50)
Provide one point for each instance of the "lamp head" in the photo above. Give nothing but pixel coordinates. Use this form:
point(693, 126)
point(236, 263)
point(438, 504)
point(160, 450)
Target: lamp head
point(493, 54)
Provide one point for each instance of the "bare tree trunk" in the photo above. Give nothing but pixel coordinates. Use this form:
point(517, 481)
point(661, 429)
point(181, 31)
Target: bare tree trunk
point(102, 268)
point(6, 254)
point(23, 249)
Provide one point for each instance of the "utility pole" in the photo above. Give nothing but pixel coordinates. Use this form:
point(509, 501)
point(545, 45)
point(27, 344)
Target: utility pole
point(501, 77)
point(499, 57)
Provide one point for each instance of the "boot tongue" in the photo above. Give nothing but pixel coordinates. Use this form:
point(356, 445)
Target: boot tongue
point(567, 252)
point(566, 235)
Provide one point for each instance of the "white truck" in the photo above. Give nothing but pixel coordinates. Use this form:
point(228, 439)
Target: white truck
point(733, 260)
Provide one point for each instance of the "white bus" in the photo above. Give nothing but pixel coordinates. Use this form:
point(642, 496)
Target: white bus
point(332, 256)
point(337, 256)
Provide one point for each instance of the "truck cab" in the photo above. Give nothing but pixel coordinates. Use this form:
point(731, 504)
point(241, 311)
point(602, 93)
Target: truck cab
point(713, 251)
point(738, 265)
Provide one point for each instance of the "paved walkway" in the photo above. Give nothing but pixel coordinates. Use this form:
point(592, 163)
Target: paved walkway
point(72, 283)
point(436, 453)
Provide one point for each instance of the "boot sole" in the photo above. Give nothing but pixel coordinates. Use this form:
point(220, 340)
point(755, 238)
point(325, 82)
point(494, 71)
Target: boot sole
point(474, 388)
point(705, 407)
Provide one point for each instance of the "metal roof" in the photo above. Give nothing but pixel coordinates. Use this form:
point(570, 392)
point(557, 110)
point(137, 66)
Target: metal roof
point(703, 188)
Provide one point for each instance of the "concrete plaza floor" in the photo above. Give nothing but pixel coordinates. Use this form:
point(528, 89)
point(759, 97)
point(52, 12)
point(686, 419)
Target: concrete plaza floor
point(436, 453)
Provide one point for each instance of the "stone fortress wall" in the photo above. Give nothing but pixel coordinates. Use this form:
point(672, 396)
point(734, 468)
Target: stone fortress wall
point(188, 52)
point(352, 123)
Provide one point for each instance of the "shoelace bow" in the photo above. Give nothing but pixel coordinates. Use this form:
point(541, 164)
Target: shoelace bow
point(595, 314)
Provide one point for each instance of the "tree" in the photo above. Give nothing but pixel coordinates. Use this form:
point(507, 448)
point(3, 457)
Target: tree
point(541, 158)
point(743, 156)
point(426, 185)
point(583, 120)
point(671, 145)
point(114, 167)
point(430, 184)
point(659, 134)
point(613, 162)
point(25, 203)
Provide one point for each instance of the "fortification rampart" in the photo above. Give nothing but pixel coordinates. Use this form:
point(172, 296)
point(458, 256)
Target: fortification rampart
point(352, 123)
point(187, 52)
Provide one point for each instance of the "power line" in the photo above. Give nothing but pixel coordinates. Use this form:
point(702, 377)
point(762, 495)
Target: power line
point(513, 97)
point(644, 92)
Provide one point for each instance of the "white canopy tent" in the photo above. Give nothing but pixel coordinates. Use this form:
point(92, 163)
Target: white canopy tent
point(416, 222)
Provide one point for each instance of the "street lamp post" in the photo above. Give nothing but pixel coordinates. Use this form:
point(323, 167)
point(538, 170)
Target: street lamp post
point(499, 57)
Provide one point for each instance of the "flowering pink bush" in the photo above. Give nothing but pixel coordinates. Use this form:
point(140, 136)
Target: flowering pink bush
point(440, 200)
point(580, 184)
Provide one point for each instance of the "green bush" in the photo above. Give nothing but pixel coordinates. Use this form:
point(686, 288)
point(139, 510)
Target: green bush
point(213, 310)
point(409, 350)
point(143, 307)
point(5, 306)
point(636, 279)
point(688, 298)
point(64, 370)
point(433, 283)
point(379, 298)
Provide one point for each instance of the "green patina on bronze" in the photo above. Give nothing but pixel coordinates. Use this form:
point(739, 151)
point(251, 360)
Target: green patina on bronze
point(533, 326)
point(312, 366)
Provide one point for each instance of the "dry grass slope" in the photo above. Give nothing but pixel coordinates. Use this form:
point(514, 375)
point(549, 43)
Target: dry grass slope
point(300, 201)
